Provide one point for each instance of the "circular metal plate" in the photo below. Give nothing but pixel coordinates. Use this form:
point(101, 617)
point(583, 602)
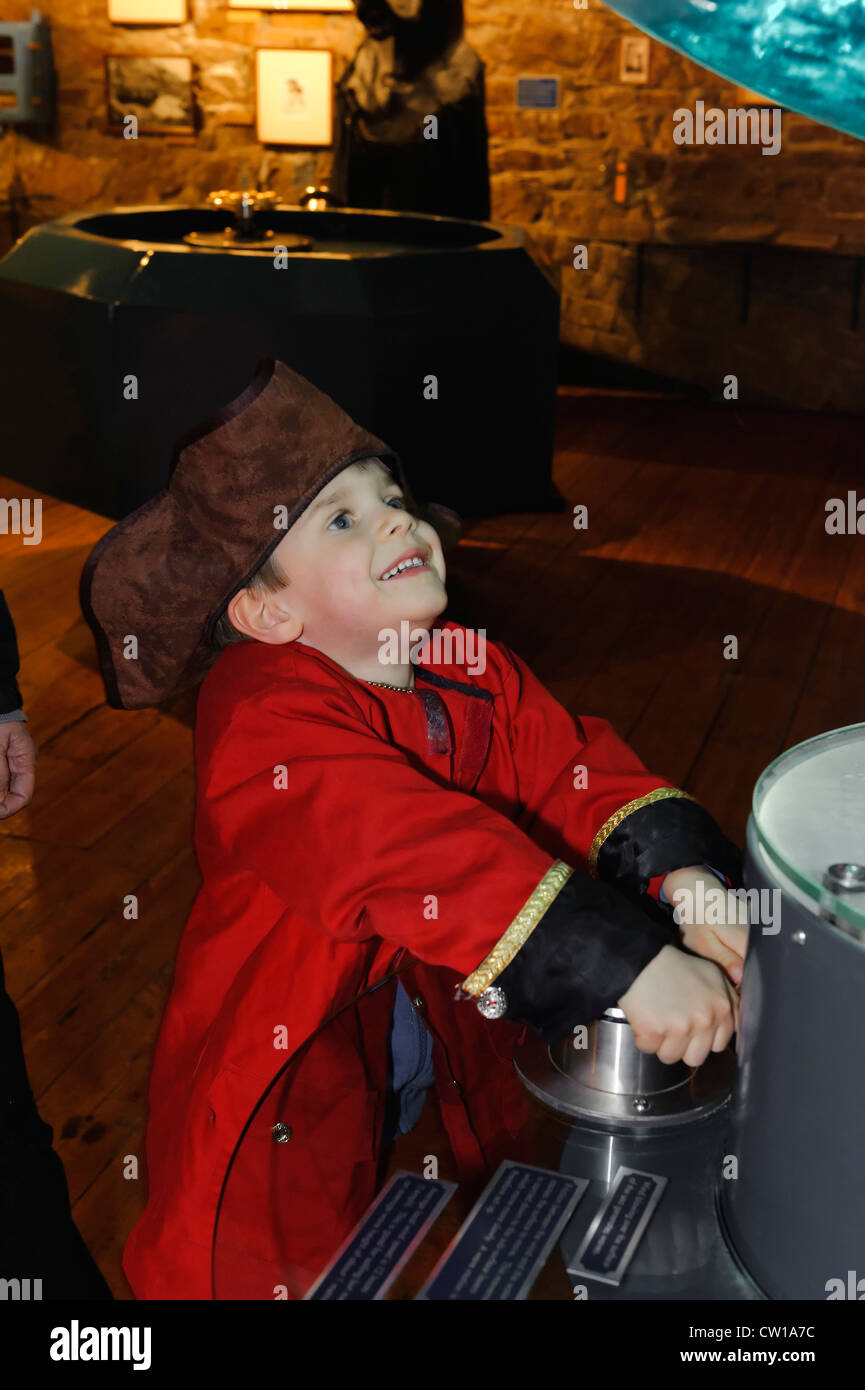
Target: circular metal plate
point(707, 1089)
point(228, 240)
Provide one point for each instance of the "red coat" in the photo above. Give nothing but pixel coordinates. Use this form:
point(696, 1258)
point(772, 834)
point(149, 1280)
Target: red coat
point(335, 826)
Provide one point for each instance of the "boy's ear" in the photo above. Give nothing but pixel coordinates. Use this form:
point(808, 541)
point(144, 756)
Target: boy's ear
point(264, 617)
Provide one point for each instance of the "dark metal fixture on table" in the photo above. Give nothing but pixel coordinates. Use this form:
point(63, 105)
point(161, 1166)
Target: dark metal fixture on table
point(245, 232)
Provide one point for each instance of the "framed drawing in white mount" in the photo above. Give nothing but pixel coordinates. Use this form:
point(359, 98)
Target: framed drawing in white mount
point(343, 6)
point(294, 96)
point(147, 11)
point(634, 59)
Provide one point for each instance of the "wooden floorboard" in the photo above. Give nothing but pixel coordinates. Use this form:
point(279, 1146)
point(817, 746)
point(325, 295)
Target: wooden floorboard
point(704, 521)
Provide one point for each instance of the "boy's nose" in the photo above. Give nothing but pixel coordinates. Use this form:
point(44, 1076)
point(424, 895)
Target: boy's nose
point(396, 521)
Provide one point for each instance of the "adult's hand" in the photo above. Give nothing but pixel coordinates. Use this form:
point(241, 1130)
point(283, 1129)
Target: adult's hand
point(17, 767)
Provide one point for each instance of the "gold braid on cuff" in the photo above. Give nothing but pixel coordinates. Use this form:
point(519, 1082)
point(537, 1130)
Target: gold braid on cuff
point(520, 929)
point(618, 816)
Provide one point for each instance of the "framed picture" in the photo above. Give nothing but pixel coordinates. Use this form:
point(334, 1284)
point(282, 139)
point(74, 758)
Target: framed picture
point(539, 93)
point(634, 60)
point(294, 96)
point(345, 6)
point(147, 11)
point(156, 90)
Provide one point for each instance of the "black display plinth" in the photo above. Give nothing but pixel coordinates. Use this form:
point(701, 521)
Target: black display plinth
point(381, 303)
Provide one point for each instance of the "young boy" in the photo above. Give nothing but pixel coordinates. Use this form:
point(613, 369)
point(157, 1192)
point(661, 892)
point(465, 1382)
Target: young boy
point(350, 810)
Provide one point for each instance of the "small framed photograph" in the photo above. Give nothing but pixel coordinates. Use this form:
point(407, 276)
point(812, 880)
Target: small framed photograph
point(537, 93)
point(634, 60)
point(329, 6)
point(157, 91)
point(147, 11)
point(294, 96)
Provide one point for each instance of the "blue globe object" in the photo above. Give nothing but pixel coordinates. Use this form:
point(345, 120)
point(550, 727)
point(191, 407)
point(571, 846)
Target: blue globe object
point(808, 55)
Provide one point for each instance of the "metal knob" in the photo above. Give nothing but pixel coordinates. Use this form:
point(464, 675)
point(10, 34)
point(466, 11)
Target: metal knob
point(244, 205)
point(845, 878)
point(611, 1061)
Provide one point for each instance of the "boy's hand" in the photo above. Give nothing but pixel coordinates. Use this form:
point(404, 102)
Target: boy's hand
point(681, 1009)
point(723, 938)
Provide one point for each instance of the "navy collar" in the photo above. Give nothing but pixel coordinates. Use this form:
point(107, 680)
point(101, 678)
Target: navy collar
point(444, 684)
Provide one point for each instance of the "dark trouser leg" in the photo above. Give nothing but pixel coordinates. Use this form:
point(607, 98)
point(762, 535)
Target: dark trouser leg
point(38, 1238)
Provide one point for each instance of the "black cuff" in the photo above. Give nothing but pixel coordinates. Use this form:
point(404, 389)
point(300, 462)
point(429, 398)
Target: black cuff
point(584, 954)
point(671, 833)
point(10, 697)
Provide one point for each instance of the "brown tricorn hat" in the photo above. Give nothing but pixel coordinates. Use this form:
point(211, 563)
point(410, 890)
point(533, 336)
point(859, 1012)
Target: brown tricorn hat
point(238, 481)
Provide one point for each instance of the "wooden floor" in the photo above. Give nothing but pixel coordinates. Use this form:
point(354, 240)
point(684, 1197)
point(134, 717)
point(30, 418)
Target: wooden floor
point(705, 521)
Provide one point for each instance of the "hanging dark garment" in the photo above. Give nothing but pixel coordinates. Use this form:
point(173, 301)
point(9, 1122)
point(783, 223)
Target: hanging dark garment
point(382, 157)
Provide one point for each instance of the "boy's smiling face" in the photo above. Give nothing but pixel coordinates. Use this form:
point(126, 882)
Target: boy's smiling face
point(335, 558)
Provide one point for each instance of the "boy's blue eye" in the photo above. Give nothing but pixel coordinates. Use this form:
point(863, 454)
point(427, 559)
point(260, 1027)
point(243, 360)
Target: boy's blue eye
point(399, 501)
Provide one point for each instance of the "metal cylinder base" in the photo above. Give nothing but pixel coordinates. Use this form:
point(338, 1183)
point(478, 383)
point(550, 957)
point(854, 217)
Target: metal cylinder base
point(703, 1091)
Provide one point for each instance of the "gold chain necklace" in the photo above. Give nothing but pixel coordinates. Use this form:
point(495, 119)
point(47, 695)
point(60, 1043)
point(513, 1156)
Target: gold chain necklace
point(403, 689)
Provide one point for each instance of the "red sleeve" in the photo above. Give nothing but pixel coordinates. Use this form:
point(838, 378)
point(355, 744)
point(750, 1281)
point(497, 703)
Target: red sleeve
point(574, 775)
point(654, 887)
point(351, 835)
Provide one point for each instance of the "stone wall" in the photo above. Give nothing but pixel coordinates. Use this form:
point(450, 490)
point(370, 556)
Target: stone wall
point(786, 322)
